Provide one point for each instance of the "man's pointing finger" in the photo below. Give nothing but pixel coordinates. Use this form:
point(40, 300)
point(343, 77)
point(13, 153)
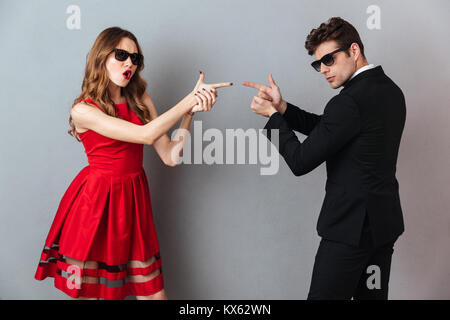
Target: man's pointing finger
point(253, 85)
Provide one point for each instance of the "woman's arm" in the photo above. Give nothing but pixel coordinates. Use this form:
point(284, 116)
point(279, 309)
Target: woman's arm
point(169, 151)
point(92, 118)
point(201, 98)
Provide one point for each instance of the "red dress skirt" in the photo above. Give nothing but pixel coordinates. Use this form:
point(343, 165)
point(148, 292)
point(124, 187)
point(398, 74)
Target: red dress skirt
point(105, 216)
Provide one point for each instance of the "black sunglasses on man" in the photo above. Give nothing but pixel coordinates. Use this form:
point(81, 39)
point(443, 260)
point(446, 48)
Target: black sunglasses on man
point(327, 59)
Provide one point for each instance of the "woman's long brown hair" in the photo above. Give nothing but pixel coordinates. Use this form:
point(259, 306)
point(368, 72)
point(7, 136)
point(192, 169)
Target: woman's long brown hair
point(96, 80)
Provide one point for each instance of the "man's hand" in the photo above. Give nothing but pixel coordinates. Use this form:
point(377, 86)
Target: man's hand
point(271, 93)
point(262, 106)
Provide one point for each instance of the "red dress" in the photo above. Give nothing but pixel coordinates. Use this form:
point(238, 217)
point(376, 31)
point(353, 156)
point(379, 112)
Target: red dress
point(105, 216)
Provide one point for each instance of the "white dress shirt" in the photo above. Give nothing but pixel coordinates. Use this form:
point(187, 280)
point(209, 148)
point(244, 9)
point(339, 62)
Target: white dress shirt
point(362, 69)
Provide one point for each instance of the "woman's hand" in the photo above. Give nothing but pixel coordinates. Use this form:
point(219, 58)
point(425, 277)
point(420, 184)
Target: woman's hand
point(206, 94)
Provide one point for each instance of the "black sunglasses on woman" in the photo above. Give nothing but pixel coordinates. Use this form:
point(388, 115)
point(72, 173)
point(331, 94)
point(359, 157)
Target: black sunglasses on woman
point(122, 55)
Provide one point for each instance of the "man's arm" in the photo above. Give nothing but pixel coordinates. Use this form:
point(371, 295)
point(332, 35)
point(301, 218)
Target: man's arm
point(298, 119)
point(336, 127)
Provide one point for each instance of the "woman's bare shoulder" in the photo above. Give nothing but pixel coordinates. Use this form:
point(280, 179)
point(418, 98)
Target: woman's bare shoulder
point(80, 113)
point(83, 107)
point(145, 98)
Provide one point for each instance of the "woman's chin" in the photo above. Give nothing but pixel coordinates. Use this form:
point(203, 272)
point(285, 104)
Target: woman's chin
point(121, 83)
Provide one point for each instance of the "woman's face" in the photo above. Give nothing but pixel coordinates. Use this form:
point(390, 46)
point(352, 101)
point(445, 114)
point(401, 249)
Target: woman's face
point(120, 72)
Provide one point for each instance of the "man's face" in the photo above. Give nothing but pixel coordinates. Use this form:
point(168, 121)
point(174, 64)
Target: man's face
point(342, 68)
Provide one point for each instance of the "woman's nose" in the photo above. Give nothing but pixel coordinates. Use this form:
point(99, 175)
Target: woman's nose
point(128, 62)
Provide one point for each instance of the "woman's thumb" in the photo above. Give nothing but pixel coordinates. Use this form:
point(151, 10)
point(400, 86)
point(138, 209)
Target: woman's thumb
point(201, 78)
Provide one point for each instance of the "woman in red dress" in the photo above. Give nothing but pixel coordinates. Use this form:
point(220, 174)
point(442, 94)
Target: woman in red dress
point(102, 242)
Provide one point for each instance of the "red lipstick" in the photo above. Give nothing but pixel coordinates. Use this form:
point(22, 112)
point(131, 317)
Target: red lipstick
point(127, 74)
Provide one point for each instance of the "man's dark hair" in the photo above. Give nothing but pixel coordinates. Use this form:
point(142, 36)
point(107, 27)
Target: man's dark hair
point(336, 29)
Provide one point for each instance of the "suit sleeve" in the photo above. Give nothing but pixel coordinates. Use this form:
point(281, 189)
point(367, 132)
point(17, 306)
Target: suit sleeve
point(336, 127)
point(300, 120)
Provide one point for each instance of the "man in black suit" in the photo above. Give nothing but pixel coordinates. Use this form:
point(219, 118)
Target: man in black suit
point(358, 136)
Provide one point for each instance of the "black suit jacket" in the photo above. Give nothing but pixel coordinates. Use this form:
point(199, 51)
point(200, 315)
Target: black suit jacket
point(358, 136)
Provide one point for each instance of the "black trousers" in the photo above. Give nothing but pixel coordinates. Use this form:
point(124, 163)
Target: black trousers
point(341, 271)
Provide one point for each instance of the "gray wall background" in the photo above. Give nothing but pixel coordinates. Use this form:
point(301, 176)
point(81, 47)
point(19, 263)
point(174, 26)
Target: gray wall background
point(221, 232)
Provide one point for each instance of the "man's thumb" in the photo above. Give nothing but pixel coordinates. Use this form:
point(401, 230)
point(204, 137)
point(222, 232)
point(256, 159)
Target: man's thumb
point(271, 81)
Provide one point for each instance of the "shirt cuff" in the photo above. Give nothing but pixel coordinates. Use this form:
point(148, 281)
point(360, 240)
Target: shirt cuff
point(274, 121)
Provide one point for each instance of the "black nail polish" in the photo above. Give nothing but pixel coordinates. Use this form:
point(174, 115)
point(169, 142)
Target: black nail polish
point(203, 89)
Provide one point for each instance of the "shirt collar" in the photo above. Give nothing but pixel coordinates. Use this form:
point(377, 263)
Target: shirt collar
point(362, 69)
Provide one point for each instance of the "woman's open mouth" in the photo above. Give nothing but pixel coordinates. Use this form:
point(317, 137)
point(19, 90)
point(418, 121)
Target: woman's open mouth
point(127, 74)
